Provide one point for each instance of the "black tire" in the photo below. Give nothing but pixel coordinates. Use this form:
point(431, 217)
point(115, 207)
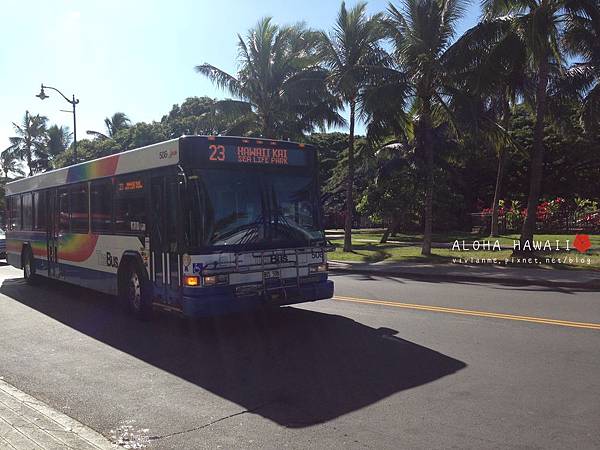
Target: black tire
point(29, 267)
point(135, 292)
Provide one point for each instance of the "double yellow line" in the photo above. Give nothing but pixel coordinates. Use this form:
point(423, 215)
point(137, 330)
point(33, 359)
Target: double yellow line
point(467, 312)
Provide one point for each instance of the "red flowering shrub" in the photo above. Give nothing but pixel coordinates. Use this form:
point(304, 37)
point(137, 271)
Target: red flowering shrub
point(550, 214)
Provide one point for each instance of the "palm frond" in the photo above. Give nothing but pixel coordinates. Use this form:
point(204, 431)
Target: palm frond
point(221, 78)
point(97, 134)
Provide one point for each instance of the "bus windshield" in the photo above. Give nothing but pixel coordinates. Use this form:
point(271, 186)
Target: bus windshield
point(253, 209)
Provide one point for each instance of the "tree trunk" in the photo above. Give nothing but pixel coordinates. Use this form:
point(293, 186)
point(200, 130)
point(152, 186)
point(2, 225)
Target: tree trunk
point(29, 162)
point(499, 175)
point(537, 157)
point(350, 183)
point(427, 142)
point(391, 229)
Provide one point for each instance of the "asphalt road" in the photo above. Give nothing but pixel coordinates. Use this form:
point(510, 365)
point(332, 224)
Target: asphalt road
point(391, 363)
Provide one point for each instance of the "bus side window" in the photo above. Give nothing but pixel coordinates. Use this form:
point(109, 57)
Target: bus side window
point(157, 213)
point(27, 211)
point(130, 208)
point(63, 210)
point(79, 208)
point(100, 207)
point(39, 215)
point(9, 212)
point(16, 215)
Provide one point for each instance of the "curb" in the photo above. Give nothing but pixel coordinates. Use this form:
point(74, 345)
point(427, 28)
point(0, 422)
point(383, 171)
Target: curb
point(591, 284)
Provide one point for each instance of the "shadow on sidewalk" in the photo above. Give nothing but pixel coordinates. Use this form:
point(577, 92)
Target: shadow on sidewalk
point(294, 367)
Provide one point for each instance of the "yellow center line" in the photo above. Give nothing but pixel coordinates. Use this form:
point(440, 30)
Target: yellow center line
point(467, 312)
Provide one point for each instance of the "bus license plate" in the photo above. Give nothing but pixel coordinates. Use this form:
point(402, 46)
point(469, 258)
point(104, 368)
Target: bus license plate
point(271, 274)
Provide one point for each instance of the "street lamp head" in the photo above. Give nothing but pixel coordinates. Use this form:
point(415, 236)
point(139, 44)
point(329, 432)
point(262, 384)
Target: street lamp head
point(42, 95)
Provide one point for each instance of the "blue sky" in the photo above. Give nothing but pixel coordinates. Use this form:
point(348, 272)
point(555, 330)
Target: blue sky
point(131, 56)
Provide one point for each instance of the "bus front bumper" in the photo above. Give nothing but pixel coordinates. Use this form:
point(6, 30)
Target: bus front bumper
point(219, 301)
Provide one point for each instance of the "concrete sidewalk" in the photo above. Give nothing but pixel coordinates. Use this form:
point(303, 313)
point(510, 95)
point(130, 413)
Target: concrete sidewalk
point(490, 273)
point(27, 423)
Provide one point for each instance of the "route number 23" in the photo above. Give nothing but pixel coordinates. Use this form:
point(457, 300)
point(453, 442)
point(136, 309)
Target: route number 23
point(217, 153)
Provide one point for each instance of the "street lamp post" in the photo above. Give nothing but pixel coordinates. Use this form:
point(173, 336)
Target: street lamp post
point(42, 95)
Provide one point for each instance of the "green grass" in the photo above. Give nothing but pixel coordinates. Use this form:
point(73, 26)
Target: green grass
point(373, 252)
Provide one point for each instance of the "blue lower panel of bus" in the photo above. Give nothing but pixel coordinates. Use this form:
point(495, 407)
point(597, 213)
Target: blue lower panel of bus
point(198, 302)
point(92, 279)
point(216, 301)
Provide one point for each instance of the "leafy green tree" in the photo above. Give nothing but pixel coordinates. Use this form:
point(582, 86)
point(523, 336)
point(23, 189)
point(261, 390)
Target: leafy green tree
point(88, 149)
point(348, 53)
point(9, 164)
point(334, 171)
point(330, 147)
point(204, 116)
point(572, 162)
point(134, 136)
point(140, 135)
point(29, 143)
point(395, 194)
point(280, 90)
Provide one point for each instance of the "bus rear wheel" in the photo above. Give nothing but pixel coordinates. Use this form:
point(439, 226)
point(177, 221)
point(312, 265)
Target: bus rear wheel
point(29, 267)
point(134, 292)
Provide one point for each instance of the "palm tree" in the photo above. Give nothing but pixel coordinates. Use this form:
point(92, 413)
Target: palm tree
point(29, 144)
point(118, 121)
point(582, 38)
point(538, 24)
point(279, 88)
point(349, 52)
point(9, 163)
point(492, 64)
point(421, 32)
point(59, 139)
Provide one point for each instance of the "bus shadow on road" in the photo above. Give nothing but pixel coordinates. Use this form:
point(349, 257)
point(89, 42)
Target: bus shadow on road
point(295, 367)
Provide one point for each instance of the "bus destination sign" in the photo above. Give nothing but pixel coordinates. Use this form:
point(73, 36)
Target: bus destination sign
point(246, 154)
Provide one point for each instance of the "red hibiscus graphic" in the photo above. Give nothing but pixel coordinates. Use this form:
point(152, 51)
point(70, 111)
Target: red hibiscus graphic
point(582, 242)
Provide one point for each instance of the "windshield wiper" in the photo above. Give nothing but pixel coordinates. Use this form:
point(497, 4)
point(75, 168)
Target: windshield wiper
point(251, 231)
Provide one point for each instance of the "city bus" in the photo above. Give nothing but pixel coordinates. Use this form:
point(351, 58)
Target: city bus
point(202, 225)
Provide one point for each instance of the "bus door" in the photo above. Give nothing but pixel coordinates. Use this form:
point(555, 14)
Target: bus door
point(53, 218)
point(173, 255)
point(165, 269)
point(158, 241)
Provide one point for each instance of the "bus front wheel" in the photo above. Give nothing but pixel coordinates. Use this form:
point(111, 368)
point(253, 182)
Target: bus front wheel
point(29, 266)
point(134, 292)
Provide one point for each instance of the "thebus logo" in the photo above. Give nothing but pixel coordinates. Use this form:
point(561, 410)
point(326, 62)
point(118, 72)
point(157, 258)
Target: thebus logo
point(582, 243)
point(111, 261)
point(278, 259)
point(106, 259)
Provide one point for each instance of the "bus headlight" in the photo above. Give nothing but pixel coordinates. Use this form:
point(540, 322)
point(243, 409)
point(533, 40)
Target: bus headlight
point(213, 280)
point(191, 280)
point(317, 268)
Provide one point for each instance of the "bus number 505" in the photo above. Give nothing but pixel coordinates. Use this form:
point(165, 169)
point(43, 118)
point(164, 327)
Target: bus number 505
point(218, 153)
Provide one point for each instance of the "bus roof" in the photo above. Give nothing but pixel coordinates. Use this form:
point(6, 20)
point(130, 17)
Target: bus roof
point(162, 154)
point(155, 155)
